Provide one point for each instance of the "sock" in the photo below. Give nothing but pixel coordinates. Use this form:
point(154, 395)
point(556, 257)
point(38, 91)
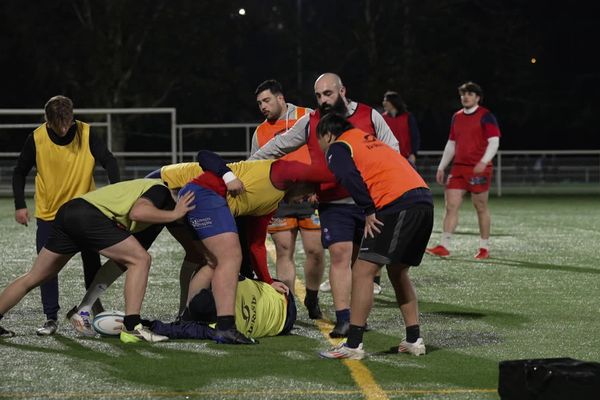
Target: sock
point(311, 296)
point(412, 333)
point(130, 321)
point(484, 243)
point(106, 275)
point(446, 237)
point(187, 271)
point(355, 336)
point(342, 315)
point(225, 322)
point(377, 279)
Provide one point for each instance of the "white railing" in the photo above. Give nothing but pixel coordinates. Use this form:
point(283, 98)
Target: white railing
point(517, 171)
point(107, 113)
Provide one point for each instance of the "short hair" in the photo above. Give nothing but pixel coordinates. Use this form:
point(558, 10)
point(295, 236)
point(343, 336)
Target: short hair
point(396, 100)
point(334, 123)
point(270, 84)
point(59, 111)
point(471, 87)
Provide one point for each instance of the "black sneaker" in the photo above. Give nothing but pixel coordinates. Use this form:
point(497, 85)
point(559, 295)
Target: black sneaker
point(5, 333)
point(49, 328)
point(232, 336)
point(340, 329)
point(314, 311)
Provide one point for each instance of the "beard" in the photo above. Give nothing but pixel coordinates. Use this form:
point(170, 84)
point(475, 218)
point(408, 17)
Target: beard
point(339, 107)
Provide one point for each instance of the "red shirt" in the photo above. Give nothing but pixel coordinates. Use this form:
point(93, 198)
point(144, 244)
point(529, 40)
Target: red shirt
point(401, 130)
point(471, 133)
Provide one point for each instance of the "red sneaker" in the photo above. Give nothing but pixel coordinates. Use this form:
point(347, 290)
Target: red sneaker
point(482, 254)
point(439, 251)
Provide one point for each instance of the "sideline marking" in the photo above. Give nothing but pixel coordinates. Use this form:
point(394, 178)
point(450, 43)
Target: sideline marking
point(361, 374)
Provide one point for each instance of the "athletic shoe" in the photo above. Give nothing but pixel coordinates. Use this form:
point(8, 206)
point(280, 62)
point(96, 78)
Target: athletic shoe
point(482, 254)
point(416, 349)
point(439, 251)
point(81, 321)
point(5, 333)
point(140, 333)
point(314, 311)
point(49, 328)
point(340, 329)
point(325, 286)
point(232, 336)
point(343, 351)
point(376, 288)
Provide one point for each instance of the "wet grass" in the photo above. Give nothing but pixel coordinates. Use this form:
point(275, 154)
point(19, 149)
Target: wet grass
point(536, 297)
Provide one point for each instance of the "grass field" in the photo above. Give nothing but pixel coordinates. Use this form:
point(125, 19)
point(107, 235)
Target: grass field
point(538, 296)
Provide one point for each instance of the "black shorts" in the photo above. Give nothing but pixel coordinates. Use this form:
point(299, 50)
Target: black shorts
point(299, 210)
point(291, 315)
point(79, 225)
point(403, 237)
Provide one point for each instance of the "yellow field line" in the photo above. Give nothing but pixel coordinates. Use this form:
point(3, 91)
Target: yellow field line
point(234, 392)
point(361, 374)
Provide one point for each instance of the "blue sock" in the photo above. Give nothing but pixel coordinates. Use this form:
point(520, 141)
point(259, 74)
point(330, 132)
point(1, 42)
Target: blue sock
point(342, 315)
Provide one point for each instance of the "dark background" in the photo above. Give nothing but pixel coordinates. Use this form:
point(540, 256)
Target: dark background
point(206, 59)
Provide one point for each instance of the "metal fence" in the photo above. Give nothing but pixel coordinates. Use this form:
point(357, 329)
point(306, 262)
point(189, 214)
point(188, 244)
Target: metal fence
point(516, 172)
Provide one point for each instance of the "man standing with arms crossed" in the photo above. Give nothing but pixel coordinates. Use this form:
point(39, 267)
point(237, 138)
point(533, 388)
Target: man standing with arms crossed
point(473, 143)
point(291, 217)
point(342, 221)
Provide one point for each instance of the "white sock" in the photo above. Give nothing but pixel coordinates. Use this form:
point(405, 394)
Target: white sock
point(446, 237)
point(484, 243)
point(106, 275)
point(187, 271)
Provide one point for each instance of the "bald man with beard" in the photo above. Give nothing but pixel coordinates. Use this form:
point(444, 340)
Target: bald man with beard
point(342, 221)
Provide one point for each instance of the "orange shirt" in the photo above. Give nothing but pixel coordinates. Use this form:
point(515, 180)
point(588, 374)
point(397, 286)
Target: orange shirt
point(386, 173)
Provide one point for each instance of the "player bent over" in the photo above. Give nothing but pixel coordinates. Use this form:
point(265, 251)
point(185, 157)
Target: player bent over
point(398, 210)
point(104, 220)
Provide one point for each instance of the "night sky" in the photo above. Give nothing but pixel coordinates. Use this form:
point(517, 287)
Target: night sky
point(206, 59)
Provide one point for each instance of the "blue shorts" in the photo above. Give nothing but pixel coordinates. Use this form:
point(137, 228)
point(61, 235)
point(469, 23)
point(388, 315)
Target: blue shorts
point(341, 223)
point(211, 216)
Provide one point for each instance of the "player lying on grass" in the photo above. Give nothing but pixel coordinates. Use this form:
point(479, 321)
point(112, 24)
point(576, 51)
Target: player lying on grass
point(105, 221)
point(260, 311)
point(398, 211)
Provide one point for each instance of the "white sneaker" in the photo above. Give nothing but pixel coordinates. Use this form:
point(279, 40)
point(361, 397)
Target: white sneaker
point(325, 286)
point(416, 349)
point(343, 351)
point(82, 324)
point(377, 288)
point(140, 333)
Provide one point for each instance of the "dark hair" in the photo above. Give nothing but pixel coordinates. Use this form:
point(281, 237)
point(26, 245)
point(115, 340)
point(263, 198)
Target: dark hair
point(396, 100)
point(471, 87)
point(59, 111)
point(334, 123)
point(270, 84)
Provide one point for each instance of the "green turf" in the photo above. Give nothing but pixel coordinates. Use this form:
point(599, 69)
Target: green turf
point(536, 297)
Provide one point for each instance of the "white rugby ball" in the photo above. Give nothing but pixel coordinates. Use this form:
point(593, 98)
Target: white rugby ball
point(108, 323)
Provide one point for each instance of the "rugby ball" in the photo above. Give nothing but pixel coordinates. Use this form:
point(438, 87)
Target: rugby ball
point(108, 323)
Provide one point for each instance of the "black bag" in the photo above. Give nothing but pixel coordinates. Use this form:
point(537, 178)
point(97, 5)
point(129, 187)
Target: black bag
point(549, 379)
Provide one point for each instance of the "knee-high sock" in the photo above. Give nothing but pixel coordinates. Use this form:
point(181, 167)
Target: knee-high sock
point(106, 275)
point(187, 271)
